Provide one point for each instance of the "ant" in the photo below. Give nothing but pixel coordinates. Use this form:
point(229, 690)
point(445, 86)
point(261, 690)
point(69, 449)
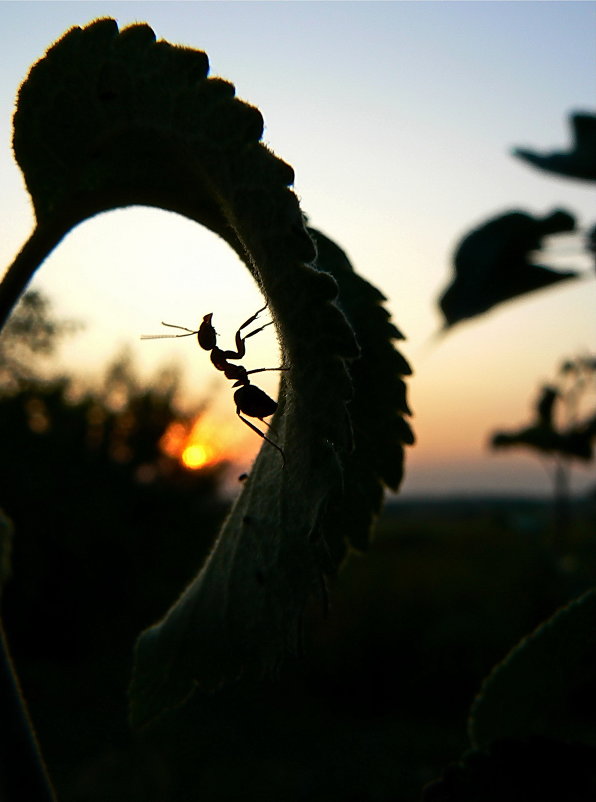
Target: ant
point(250, 400)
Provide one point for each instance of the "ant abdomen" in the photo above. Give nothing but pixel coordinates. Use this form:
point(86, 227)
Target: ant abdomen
point(254, 402)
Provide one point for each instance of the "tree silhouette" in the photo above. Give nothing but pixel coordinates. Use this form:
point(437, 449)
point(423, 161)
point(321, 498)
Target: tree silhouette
point(32, 331)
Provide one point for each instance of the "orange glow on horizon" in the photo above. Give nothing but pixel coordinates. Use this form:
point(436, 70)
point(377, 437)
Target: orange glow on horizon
point(203, 442)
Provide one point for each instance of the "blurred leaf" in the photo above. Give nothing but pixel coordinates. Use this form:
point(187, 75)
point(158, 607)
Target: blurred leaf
point(574, 441)
point(492, 263)
point(545, 406)
point(580, 161)
point(545, 686)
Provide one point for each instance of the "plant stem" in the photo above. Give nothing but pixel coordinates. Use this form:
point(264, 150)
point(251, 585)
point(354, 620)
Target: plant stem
point(40, 244)
point(23, 776)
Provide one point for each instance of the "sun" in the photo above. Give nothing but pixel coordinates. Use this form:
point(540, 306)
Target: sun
point(192, 444)
point(202, 442)
point(197, 455)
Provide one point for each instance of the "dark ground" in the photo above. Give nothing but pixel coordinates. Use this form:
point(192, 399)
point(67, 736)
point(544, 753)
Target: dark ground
point(376, 708)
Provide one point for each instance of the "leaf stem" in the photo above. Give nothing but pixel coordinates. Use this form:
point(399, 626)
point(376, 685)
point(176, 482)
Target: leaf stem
point(40, 244)
point(23, 776)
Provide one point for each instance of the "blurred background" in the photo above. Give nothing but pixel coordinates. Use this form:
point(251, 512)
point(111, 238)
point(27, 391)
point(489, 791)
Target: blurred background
point(399, 119)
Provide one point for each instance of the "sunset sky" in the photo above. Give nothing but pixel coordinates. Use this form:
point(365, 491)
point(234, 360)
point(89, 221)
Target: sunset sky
point(399, 119)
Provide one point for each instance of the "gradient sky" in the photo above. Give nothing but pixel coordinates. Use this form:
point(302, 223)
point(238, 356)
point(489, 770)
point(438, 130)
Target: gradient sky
point(399, 119)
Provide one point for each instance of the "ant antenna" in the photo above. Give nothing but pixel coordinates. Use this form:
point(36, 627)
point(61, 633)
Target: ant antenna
point(164, 336)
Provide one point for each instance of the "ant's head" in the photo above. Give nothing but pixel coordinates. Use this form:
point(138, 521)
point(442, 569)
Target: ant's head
point(206, 335)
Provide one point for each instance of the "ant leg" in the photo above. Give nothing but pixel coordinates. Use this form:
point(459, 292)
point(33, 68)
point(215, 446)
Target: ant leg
point(256, 331)
point(261, 370)
point(240, 347)
point(239, 354)
point(263, 435)
point(251, 319)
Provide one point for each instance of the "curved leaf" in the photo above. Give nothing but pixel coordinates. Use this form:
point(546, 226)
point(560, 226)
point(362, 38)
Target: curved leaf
point(579, 161)
point(108, 119)
point(379, 402)
point(540, 686)
point(492, 263)
point(243, 612)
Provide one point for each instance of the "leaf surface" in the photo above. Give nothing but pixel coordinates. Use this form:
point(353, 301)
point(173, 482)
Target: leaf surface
point(538, 690)
point(378, 408)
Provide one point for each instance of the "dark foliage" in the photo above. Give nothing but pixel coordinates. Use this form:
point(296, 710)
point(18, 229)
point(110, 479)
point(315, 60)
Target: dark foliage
point(493, 263)
point(579, 161)
point(93, 499)
point(570, 439)
point(532, 770)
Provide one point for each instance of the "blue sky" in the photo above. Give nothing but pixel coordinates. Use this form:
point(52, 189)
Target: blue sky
point(399, 119)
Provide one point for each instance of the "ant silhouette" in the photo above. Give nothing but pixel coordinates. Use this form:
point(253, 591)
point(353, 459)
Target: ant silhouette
point(250, 400)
